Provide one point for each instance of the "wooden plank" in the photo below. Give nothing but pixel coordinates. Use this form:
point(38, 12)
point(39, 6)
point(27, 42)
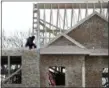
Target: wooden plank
point(73, 41)
point(50, 24)
point(72, 15)
point(51, 31)
point(64, 17)
point(86, 9)
point(79, 12)
point(75, 5)
point(12, 75)
point(101, 9)
point(57, 16)
point(93, 7)
point(38, 32)
point(50, 21)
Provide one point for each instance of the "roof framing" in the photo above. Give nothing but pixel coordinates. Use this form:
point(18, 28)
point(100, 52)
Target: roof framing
point(74, 27)
point(74, 41)
point(85, 19)
point(70, 5)
point(68, 38)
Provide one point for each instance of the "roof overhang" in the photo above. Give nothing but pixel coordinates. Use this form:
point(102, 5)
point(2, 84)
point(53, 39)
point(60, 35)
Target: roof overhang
point(72, 50)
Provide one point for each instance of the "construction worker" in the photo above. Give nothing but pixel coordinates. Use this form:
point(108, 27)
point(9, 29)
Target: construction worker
point(30, 43)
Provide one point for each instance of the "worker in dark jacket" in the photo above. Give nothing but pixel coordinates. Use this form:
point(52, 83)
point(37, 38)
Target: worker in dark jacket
point(30, 42)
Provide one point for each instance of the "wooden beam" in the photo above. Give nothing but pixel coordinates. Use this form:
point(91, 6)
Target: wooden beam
point(64, 16)
point(93, 7)
point(75, 5)
point(72, 15)
point(44, 25)
point(86, 9)
point(12, 75)
point(50, 24)
point(73, 41)
point(38, 32)
point(79, 12)
point(101, 9)
point(33, 21)
point(57, 16)
point(50, 20)
point(51, 31)
point(48, 29)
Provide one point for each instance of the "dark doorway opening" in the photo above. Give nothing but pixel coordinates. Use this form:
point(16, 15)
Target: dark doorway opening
point(57, 76)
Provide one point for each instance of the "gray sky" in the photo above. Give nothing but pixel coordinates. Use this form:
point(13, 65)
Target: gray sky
point(16, 16)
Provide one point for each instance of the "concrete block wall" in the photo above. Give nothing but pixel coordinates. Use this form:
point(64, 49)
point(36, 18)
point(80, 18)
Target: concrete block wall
point(92, 33)
point(94, 67)
point(62, 41)
point(72, 64)
point(30, 67)
point(35, 71)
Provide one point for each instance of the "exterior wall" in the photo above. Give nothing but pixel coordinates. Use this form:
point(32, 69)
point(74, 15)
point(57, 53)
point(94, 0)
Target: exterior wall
point(30, 68)
point(30, 71)
point(92, 33)
point(62, 41)
point(72, 64)
point(32, 76)
point(94, 66)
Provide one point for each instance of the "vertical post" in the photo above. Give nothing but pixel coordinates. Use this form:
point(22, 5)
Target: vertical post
point(1, 33)
point(38, 38)
point(83, 73)
point(50, 20)
point(64, 16)
point(44, 26)
point(57, 16)
point(72, 13)
point(101, 8)
point(86, 9)
point(107, 13)
point(93, 7)
point(79, 13)
point(38, 27)
point(33, 21)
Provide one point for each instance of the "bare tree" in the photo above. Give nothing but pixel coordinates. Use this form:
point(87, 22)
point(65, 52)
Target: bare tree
point(14, 41)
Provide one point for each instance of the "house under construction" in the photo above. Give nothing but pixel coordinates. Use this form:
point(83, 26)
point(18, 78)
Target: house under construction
point(72, 48)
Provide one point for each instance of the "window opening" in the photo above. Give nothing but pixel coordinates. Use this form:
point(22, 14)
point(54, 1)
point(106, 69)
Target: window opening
point(4, 67)
point(15, 64)
point(56, 76)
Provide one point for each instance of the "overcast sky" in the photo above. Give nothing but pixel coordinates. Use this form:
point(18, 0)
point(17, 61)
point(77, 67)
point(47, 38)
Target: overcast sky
point(16, 16)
